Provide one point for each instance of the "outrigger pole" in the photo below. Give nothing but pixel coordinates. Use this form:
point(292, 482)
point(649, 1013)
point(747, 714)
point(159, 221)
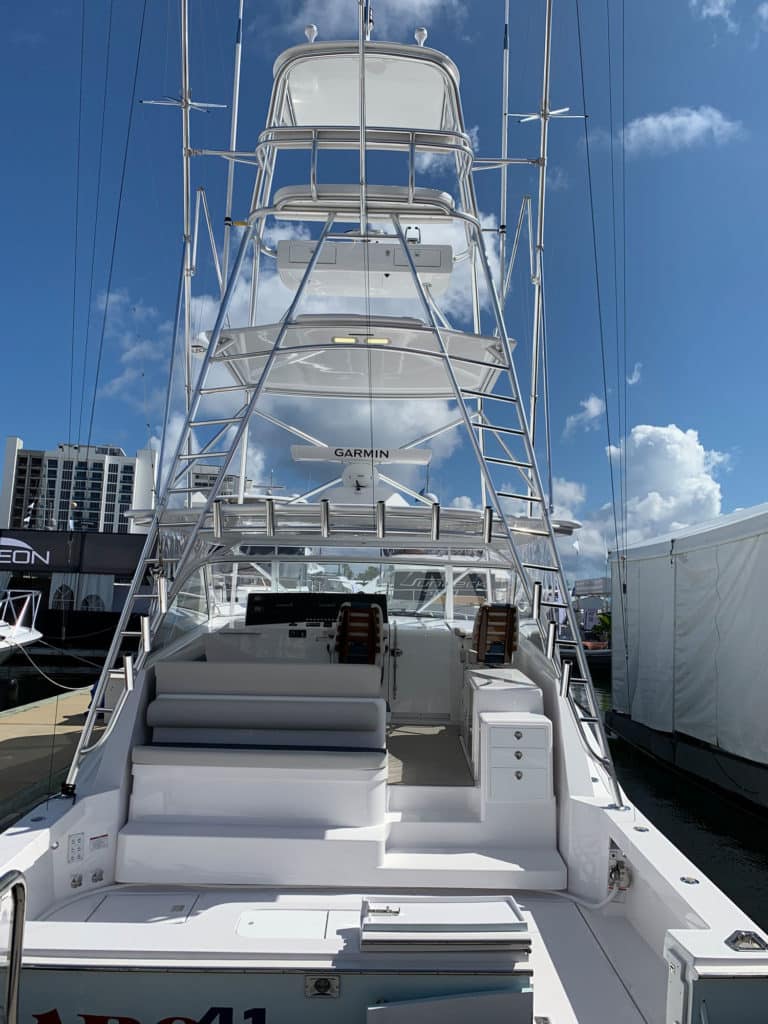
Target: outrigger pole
point(504, 152)
point(232, 147)
point(538, 269)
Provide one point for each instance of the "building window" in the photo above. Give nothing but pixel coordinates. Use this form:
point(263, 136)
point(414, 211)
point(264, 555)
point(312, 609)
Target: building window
point(63, 598)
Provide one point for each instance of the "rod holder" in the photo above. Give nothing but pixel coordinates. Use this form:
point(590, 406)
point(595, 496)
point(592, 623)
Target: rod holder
point(381, 522)
point(565, 679)
point(162, 594)
point(435, 527)
point(325, 517)
point(216, 510)
point(269, 505)
point(551, 635)
point(487, 524)
point(536, 603)
point(128, 670)
point(146, 635)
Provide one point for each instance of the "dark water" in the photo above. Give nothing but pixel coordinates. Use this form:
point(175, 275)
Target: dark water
point(723, 837)
point(22, 682)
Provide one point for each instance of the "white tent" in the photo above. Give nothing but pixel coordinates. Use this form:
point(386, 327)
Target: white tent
point(690, 638)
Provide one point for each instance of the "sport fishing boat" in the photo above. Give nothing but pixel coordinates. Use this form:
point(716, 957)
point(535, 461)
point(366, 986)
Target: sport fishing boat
point(296, 804)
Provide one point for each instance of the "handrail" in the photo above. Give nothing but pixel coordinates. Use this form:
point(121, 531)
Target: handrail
point(14, 883)
point(9, 606)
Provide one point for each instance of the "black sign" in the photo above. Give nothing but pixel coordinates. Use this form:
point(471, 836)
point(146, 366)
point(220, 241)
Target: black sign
point(49, 551)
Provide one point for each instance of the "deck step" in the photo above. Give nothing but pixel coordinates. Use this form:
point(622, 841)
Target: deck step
point(490, 868)
point(200, 853)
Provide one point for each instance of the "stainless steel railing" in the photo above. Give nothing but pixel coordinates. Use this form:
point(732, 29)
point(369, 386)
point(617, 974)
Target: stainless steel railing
point(14, 883)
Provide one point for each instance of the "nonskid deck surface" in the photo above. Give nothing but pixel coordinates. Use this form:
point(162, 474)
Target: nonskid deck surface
point(427, 755)
point(587, 966)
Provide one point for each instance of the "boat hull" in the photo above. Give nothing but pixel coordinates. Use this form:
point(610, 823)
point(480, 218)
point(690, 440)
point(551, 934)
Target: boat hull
point(284, 995)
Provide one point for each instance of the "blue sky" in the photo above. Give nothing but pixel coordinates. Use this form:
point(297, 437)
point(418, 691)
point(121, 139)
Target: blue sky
point(696, 156)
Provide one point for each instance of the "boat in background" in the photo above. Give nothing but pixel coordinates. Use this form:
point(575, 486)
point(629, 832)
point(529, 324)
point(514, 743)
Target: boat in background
point(394, 807)
point(18, 616)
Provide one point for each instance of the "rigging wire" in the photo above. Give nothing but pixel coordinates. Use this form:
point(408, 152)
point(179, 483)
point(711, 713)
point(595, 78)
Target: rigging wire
point(601, 322)
point(76, 242)
point(117, 218)
point(99, 176)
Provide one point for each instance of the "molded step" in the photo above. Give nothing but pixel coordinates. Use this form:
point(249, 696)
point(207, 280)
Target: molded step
point(489, 868)
point(200, 853)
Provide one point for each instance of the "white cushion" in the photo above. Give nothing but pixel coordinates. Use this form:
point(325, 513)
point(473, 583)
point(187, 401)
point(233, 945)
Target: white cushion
point(288, 679)
point(243, 712)
point(308, 760)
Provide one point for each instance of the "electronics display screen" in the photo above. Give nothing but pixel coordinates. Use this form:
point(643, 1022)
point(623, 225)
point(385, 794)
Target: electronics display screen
point(269, 609)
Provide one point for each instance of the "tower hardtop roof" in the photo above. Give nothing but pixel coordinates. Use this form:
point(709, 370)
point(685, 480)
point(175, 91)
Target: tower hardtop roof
point(405, 85)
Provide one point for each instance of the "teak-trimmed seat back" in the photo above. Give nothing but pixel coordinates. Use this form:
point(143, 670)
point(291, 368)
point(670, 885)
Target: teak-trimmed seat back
point(359, 634)
point(495, 634)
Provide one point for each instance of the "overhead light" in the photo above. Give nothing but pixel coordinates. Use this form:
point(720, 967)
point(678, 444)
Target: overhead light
point(345, 341)
point(377, 341)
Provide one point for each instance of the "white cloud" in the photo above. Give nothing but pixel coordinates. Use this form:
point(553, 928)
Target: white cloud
point(671, 479)
point(444, 163)
point(761, 16)
point(557, 179)
point(591, 409)
point(636, 375)
point(721, 9)
point(464, 502)
point(671, 484)
point(398, 18)
point(567, 495)
point(679, 128)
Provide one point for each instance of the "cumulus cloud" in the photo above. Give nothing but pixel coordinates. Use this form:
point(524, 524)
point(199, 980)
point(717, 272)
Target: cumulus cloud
point(679, 128)
point(720, 9)
point(671, 479)
point(567, 496)
point(636, 375)
point(463, 501)
point(672, 483)
point(591, 410)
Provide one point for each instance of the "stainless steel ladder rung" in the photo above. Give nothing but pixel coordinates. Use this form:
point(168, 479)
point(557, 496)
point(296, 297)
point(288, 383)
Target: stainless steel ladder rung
point(521, 497)
point(508, 462)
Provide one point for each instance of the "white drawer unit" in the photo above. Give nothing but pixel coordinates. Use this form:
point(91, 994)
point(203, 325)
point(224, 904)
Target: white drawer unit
point(519, 757)
point(513, 785)
point(519, 736)
point(516, 753)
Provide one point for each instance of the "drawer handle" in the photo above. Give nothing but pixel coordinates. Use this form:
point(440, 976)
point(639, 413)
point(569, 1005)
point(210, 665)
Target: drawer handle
point(518, 734)
point(518, 775)
point(519, 754)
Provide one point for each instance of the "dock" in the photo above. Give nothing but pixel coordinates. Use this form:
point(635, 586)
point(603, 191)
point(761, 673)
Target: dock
point(37, 742)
